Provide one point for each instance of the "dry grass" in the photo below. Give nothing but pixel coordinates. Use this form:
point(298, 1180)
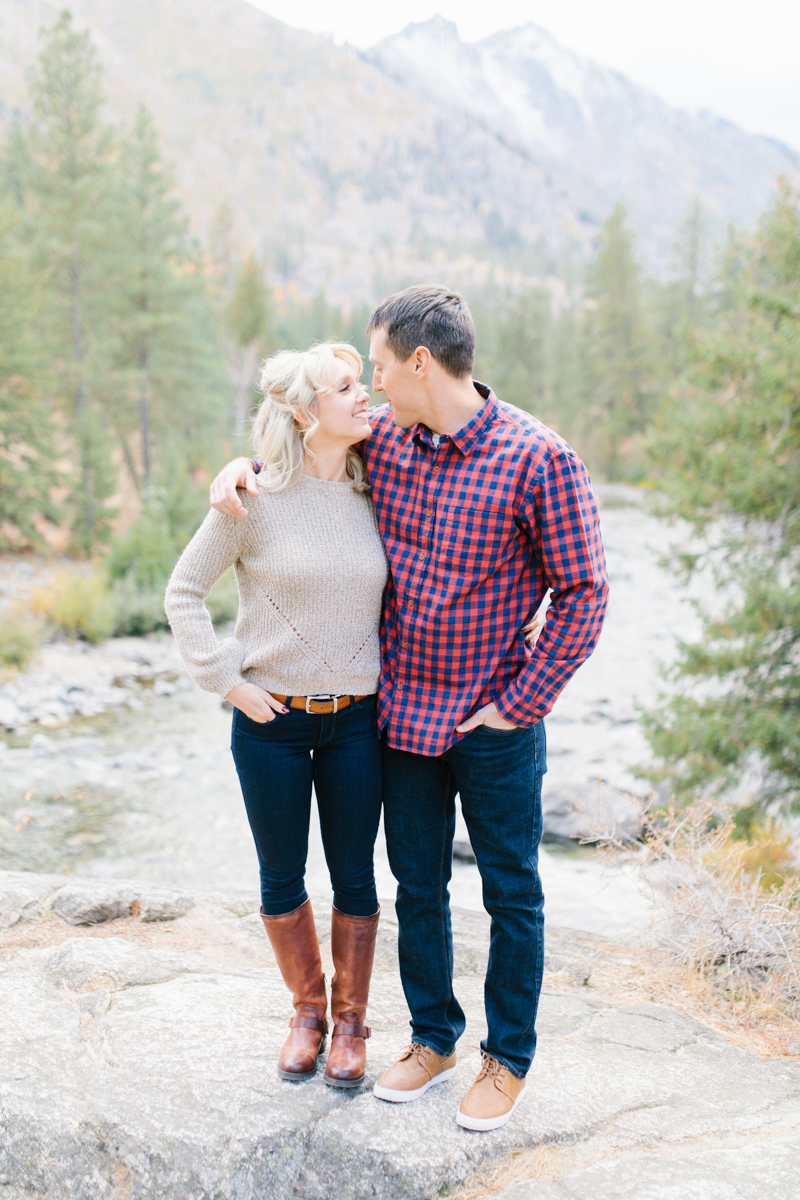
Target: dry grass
point(726, 932)
point(736, 940)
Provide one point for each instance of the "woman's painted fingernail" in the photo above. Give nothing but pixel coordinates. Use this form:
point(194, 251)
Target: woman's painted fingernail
point(284, 710)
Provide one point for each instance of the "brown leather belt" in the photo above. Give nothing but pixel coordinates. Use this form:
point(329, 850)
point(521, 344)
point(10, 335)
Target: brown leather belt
point(321, 705)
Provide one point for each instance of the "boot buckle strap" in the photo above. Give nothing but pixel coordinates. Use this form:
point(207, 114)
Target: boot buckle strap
point(352, 1030)
point(304, 1022)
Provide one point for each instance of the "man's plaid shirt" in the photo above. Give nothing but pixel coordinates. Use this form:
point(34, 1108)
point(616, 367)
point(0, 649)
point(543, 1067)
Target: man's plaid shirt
point(477, 528)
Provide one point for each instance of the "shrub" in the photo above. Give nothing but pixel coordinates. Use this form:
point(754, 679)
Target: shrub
point(20, 638)
point(77, 604)
point(140, 610)
point(736, 937)
point(145, 554)
point(137, 610)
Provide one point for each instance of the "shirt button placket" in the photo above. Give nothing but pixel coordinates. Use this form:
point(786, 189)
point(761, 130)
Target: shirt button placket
point(427, 533)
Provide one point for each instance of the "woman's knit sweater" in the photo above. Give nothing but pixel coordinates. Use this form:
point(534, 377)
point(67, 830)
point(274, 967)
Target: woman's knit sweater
point(311, 570)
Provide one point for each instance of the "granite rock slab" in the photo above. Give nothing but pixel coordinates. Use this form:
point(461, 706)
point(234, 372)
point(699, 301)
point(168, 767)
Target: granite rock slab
point(134, 1072)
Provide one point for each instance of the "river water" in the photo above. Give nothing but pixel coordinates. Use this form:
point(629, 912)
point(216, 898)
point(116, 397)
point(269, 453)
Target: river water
point(152, 794)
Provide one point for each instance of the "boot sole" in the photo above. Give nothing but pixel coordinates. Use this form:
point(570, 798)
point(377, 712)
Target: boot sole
point(295, 1076)
point(484, 1124)
point(343, 1083)
point(396, 1096)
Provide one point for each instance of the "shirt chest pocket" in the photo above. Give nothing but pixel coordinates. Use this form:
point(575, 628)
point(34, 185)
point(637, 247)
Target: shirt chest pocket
point(472, 540)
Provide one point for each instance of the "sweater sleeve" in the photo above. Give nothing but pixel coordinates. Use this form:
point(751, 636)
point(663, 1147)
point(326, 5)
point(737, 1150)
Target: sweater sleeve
point(216, 666)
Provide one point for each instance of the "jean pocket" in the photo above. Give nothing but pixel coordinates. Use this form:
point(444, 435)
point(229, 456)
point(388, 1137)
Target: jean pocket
point(242, 724)
point(490, 729)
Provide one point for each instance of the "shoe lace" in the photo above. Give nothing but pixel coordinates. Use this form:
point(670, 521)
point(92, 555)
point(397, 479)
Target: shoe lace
point(489, 1066)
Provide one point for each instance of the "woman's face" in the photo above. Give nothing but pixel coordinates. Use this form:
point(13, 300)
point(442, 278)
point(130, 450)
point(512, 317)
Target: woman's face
point(342, 411)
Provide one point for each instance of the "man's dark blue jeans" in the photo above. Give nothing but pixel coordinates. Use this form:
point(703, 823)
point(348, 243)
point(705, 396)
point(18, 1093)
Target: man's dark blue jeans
point(277, 763)
point(499, 778)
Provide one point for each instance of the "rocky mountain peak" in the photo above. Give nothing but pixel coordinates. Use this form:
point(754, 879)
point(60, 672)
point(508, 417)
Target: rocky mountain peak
point(424, 157)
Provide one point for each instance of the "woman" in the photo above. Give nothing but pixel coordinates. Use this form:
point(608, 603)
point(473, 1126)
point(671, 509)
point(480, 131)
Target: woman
point(301, 671)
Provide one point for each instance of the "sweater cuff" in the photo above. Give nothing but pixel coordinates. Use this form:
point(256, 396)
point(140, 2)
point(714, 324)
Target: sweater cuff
point(223, 685)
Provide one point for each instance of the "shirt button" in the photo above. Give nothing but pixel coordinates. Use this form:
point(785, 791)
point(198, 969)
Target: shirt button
point(399, 687)
point(437, 468)
point(428, 512)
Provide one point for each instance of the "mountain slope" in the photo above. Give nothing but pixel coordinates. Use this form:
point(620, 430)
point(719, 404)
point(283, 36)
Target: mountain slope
point(607, 138)
point(357, 173)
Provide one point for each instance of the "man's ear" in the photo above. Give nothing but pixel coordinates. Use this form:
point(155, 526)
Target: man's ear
point(421, 362)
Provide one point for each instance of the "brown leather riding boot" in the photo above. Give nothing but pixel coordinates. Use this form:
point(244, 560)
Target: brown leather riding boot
point(294, 940)
point(352, 949)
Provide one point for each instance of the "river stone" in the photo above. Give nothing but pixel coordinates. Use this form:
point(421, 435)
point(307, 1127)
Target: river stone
point(23, 895)
point(10, 716)
point(162, 904)
point(590, 812)
point(90, 903)
point(83, 964)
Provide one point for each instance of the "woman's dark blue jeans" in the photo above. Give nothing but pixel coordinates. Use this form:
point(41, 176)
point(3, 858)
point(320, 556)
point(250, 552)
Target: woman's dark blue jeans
point(277, 763)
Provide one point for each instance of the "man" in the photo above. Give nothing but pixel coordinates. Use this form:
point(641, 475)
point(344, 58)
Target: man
point(481, 509)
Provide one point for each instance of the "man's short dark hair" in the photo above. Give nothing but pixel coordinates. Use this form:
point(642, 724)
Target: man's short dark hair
point(428, 316)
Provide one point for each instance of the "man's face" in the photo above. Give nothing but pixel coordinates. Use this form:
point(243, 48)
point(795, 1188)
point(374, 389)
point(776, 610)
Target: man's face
point(398, 381)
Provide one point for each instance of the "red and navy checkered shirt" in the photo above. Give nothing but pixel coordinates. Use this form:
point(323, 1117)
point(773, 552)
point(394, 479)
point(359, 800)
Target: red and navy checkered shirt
point(477, 528)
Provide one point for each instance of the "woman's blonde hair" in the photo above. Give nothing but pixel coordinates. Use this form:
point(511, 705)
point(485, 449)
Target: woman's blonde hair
point(291, 382)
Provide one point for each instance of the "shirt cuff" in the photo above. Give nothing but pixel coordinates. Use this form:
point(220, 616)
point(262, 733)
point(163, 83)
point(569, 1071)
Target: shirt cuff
point(515, 710)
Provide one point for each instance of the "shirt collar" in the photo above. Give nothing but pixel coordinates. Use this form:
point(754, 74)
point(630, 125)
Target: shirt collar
point(466, 438)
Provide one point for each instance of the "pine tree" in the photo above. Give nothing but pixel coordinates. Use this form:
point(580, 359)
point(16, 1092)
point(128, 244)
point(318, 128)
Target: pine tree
point(27, 441)
point(520, 369)
point(166, 359)
point(620, 383)
point(685, 303)
point(728, 447)
point(248, 326)
point(70, 178)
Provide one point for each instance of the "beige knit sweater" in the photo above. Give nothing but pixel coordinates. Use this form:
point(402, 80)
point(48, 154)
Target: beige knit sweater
point(311, 570)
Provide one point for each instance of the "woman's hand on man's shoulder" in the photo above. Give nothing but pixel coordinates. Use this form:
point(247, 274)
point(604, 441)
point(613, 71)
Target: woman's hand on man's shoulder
point(224, 498)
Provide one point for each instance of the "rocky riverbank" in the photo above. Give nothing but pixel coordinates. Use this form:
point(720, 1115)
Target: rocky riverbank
point(143, 1048)
point(71, 679)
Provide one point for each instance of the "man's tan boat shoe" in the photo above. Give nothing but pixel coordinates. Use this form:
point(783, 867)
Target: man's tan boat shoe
point(416, 1070)
point(492, 1098)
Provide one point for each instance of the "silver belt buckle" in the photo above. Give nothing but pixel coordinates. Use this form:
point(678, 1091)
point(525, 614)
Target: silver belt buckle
point(324, 698)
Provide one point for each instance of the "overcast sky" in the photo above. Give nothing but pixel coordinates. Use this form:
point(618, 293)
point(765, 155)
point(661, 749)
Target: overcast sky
point(738, 58)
